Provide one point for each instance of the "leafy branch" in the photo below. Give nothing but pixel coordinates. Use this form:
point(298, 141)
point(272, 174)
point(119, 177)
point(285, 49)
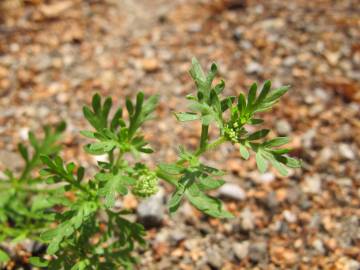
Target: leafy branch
point(81, 227)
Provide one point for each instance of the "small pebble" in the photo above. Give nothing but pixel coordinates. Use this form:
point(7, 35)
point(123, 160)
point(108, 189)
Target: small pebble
point(346, 152)
point(241, 250)
point(283, 128)
point(232, 191)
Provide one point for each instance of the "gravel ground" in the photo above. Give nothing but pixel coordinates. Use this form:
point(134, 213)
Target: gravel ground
point(55, 54)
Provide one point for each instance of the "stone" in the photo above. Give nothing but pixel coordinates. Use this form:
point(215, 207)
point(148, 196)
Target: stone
point(10, 160)
point(42, 62)
point(150, 64)
point(289, 216)
point(349, 232)
point(305, 203)
point(214, 258)
point(289, 61)
point(162, 236)
point(322, 94)
point(238, 33)
point(344, 182)
point(194, 28)
point(232, 191)
point(332, 57)
point(293, 195)
point(319, 246)
point(54, 10)
point(253, 68)
point(283, 127)
point(4, 72)
point(241, 250)
point(283, 256)
point(308, 138)
point(325, 155)
point(345, 151)
point(352, 265)
point(191, 244)
point(258, 252)
point(150, 212)
point(271, 201)
point(312, 184)
point(24, 133)
point(266, 178)
point(315, 221)
point(177, 236)
point(247, 222)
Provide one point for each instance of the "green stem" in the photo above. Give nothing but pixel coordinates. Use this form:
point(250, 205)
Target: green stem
point(118, 159)
point(216, 143)
point(29, 167)
point(21, 187)
point(210, 146)
point(171, 180)
point(111, 156)
point(204, 137)
point(75, 183)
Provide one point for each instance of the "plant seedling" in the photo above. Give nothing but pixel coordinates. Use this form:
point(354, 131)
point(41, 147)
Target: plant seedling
point(86, 232)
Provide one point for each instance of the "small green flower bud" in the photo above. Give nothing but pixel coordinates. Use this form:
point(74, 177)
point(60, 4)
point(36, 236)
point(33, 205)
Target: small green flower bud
point(146, 184)
point(233, 131)
point(230, 133)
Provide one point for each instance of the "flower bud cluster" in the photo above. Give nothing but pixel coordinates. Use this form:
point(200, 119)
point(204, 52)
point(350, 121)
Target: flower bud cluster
point(233, 131)
point(146, 184)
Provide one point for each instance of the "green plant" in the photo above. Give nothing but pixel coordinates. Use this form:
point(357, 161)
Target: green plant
point(88, 233)
point(22, 196)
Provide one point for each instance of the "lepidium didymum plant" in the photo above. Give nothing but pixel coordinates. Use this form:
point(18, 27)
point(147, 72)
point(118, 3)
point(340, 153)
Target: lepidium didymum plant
point(88, 233)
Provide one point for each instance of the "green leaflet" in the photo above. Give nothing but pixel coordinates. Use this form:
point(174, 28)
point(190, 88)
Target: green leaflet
point(244, 152)
point(38, 262)
point(184, 117)
point(258, 134)
point(4, 257)
point(171, 168)
point(276, 142)
point(209, 183)
point(261, 162)
point(143, 112)
point(100, 148)
point(176, 198)
point(81, 265)
point(42, 202)
point(207, 204)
